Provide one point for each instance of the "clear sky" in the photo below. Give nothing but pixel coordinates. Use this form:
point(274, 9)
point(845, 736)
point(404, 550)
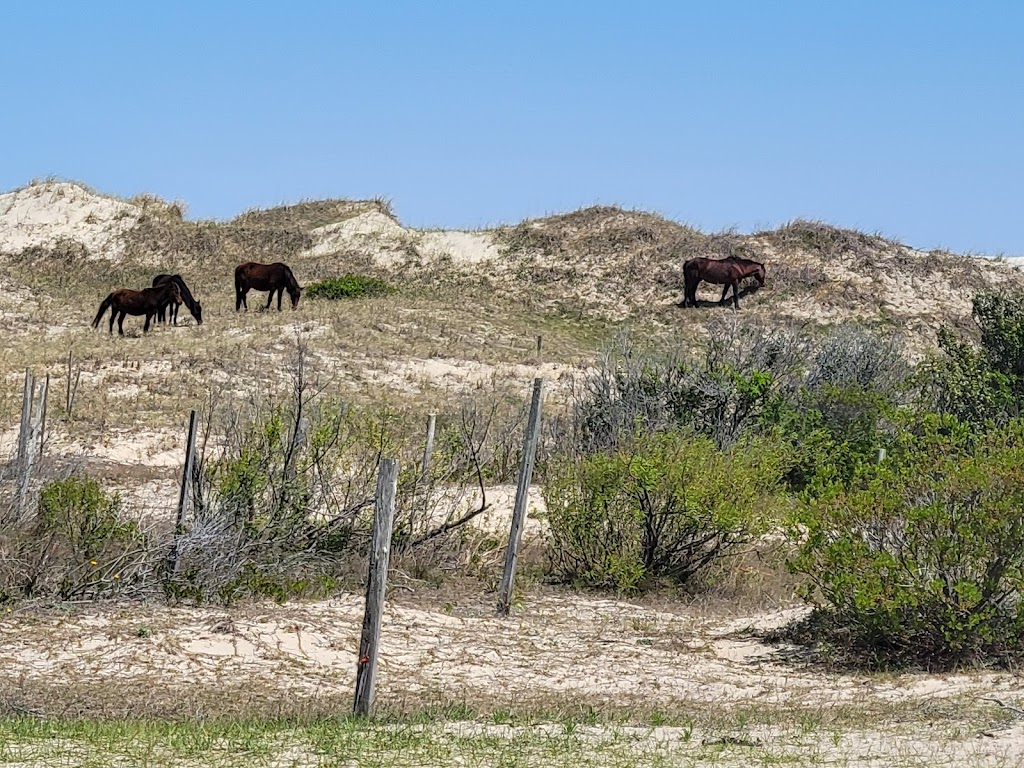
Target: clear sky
point(904, 117)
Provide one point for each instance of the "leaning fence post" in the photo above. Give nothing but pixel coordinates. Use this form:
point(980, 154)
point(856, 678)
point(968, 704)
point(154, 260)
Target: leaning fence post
point(183, 495)
point(376, 586)
point(522, 494)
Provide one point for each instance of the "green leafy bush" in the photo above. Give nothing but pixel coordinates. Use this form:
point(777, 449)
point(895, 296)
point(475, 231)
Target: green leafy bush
point(81, 546)
point(349, 287)
point(664, 507)
point(980, 385)
point(921, 563)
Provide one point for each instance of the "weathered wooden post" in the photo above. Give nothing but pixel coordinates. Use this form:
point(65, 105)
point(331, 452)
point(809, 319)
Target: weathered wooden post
point(428, 449)
point(26, 417)
point(522, 495)
point(376, 587)
point(183, 494)
point(42, 414)
point(31, 440)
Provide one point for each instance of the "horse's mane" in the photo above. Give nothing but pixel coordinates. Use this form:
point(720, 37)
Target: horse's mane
point(743, 260)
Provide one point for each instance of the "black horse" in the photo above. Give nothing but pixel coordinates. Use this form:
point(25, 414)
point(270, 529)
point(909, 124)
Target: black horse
point(186, 298)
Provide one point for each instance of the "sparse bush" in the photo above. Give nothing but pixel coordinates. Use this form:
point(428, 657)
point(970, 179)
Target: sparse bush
point(349, 287)
point(921, 563)
point(743, 375)
point(664, 507)
point(77, 546)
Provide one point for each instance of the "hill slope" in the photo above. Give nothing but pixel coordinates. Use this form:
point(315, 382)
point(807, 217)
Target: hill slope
point(464, 322)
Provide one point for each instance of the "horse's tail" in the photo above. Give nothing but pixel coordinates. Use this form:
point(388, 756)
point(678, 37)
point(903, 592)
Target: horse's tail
point(103, 308)
point(238, 280)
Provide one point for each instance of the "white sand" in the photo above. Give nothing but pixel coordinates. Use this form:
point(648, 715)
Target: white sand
point(40, 214)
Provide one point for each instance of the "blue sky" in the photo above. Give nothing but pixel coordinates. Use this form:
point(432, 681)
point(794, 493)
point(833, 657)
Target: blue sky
point(905, 118)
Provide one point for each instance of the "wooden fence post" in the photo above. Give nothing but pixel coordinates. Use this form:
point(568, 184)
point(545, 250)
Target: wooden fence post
point(31, 440)
point(376, 586)
point(72, 388)
point(428, 449)
point(42, 414)
point(539, 339)
point(26, 416)
point(522, 494)
point(183, 495)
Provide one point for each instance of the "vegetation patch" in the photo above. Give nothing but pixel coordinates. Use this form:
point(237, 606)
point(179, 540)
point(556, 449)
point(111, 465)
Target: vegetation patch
point(349, 287)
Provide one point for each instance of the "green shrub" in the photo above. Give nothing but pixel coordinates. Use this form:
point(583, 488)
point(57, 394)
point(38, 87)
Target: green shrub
point(835, 434)
point(664, 507)
point(921, 563)
point(349, 287)
point(81, 545)
point(980, 385)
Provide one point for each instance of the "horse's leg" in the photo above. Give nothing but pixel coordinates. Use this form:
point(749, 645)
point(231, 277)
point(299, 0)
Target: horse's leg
point(120, 322)
point(270, 298)
point(113, 314)
point(691, 291)
point(280, 295)
point(145, 328)
point(736, 295)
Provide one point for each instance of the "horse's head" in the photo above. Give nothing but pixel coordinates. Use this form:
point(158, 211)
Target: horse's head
point(294, 293)
point(197, 312)
point(759, 275)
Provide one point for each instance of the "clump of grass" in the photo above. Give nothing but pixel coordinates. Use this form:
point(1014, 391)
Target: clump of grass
point(349, 287)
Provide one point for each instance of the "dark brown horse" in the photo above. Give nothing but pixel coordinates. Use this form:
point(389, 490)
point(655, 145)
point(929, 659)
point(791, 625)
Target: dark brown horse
point(265, 277)
point(728, 272)
point(186, 298)
point(145, 302)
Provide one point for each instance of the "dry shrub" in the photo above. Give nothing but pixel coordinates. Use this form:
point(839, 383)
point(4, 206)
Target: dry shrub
point(827, 241)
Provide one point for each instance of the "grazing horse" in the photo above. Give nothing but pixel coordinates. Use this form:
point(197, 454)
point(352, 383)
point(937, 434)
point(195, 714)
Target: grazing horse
point(145, 302)
point(728, 272)
point(265, 277)
point(186, 298)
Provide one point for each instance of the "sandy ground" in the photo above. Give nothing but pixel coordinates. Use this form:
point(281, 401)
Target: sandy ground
point(40, 214)
point(555, 650)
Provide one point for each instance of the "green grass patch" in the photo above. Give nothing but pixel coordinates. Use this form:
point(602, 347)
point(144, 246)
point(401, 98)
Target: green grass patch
point(349, 287)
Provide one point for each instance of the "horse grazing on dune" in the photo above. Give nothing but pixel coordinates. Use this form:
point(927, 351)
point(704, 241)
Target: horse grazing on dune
point(728, 272)
point(187, 299)
point(265, 277)
point(126, 301)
